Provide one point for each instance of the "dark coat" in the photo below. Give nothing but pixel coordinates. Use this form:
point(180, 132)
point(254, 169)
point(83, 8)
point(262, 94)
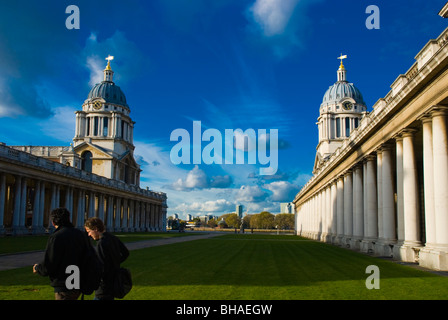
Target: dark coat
point(112, 252)
point(66, 246)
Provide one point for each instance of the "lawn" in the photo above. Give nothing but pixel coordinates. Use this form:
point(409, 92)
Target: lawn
point(26, 243)
point(251, 267)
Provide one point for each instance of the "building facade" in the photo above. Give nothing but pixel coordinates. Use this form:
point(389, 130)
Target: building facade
point(384, 190)
point(96, 175)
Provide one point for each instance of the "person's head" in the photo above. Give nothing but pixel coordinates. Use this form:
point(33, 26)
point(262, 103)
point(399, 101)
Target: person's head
point(94, 227)
point(60, 217)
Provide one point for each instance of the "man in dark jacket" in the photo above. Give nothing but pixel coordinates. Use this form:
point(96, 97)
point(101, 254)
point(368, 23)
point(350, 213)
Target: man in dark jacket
point(111, 251)
point(65, 247)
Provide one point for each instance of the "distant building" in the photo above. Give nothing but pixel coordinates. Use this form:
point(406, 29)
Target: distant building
point(383, 188)
point(97, 175)
point(239, 210)
point(287, 207)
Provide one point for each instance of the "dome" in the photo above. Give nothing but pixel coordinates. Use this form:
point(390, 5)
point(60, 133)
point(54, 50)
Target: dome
point(341, 90)
point(108, 91)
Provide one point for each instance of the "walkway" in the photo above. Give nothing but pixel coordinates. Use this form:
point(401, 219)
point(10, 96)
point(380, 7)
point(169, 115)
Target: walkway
point(28, 259)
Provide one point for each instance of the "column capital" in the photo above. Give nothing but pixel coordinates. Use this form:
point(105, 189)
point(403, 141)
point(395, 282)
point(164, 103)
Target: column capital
point(370, 157)
point(408, 132)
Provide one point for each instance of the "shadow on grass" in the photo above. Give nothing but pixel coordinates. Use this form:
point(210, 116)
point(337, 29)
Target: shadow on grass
point(256, 266)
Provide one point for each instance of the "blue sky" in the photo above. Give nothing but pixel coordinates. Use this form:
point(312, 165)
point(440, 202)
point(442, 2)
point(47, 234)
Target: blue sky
point(247, 64)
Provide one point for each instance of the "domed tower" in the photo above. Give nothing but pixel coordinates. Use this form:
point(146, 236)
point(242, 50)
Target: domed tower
point(340, 112)
point(104, 132)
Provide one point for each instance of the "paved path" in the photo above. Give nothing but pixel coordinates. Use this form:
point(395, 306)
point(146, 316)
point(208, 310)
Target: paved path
point(25, 259)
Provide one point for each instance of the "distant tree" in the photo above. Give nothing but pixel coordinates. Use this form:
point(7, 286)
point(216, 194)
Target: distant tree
point(212, 223)
point(284, 221)
point(262, 220)
point(266, 220)
point(233, 221)
point(246, 220)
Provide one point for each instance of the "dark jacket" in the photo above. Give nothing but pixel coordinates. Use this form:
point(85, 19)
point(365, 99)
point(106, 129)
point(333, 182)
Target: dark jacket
point(112, 252)
point(66, 246)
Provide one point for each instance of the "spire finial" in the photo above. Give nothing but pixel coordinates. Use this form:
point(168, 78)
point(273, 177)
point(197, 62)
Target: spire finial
point(108, 73)
point(342, 57)
point(109, 57)
point(341, 70)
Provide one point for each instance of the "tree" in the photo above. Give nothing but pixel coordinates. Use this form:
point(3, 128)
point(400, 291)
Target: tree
point(284, 221)
point(212, 223)
point(246, 221)
point(232, 220)
point(262, 220)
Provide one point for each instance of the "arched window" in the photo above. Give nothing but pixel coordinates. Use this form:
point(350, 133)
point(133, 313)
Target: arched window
point(86, 161)
point(338, 127)
point(347, 127)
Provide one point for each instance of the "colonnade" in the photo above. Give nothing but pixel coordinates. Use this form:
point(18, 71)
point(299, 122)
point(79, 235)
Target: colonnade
point(30, 187)
point(393, 201)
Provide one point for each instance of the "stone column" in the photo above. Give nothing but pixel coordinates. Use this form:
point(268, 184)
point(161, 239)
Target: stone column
point(388, 202)
point(36, 208)
point(17, 202)
point(340, 210)
point(124, 227)
point(410, 199)
point(101, 207)
point(334, 210)
point(379, 193)
point(358, 207)
point(110, 213)
point(91, 204)
point(117, 226)
point(137, 216)
point(428, 176)
point(41, 208)
point(2, 201)
point(400, 205)
point(436, 255)
point(371, 233)
point(23, 206)
point(80, 209)
point(348, 208)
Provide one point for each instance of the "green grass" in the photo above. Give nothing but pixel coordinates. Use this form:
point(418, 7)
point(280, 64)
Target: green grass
point(251, 267)
point(26, 243)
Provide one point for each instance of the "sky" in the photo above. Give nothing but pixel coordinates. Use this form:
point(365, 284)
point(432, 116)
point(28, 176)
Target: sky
point(216, 65)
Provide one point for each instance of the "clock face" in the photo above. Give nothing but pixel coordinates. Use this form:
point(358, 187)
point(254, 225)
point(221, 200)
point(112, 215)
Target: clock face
point(97, 105)
point(347, 105)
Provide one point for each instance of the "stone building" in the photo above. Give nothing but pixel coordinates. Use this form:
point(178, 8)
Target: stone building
point(96, 175)
point(384, 189)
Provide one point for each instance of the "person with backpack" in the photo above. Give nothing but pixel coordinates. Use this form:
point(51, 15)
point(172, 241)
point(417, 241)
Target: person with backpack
point(112, 252)
point(66, 247)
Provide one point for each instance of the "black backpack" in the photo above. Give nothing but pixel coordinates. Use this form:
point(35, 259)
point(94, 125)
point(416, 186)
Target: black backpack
point(122, 283)
point(91, 270)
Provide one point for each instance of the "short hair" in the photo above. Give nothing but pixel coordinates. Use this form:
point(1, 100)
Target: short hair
point(60, 216)
point(95, 223)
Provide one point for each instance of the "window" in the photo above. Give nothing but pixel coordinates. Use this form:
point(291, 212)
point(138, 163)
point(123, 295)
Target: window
point(105, 126)
point(338, 127)
point(88, 127)
point(95, 126)
point(347, 127)
point(86, 161)
point(356, 122)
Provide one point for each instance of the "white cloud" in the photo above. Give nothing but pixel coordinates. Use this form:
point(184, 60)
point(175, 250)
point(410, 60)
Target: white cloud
point(198, 179)
point(128, 57)
point(282, 191)
point(212, 206)
point(251, 194)
point(273, 16)
point(61, 125)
